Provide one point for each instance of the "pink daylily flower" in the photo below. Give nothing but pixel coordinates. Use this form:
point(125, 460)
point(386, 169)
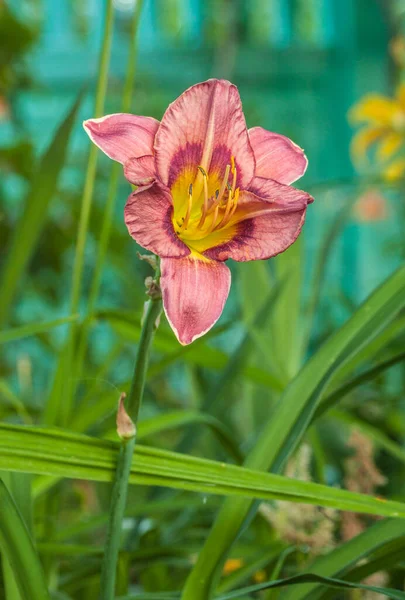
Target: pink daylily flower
point(208, 190)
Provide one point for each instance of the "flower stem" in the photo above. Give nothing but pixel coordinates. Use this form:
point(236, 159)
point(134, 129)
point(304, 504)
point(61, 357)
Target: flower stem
point(85, 211)
point(128, 440)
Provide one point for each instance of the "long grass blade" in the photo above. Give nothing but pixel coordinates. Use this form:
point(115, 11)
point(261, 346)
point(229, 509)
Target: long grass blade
point(17, 547)
point(61, 454)
point(290, 420)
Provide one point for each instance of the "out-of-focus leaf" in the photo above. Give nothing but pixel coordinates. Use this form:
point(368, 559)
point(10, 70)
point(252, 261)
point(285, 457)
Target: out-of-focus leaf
point(343, 390)
point(17, 546)
point(291, 418)
point(286, 342)
point(10, 335)
point(337, 562)
point(298, 580)
point(199, 353)
point(30, 225)
point(378, 437)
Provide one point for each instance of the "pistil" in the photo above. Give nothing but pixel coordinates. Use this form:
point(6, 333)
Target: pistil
point(189, 207)
point(205, 206)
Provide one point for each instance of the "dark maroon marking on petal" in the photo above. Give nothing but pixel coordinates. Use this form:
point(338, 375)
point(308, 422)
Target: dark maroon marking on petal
point(148, 217)
point(189, 156)
point(261, 237)
point(222, 252)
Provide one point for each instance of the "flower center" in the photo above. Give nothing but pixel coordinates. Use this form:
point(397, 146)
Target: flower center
point(207, 213)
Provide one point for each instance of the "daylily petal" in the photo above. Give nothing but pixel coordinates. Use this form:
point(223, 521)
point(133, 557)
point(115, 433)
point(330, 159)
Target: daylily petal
point(205, 126)
point(194, 294)
point(122, 136)
point(277, 156)
point(264, 229)
point(148, 217)
point(273, 191)
point(270, 197)
point(141, 170)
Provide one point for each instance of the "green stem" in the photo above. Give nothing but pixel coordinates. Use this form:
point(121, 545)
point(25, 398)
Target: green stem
point(141, 364)
point(87, 199)
point(92, 163)
point(119, 494)
point(116, 168)
point(111, 196)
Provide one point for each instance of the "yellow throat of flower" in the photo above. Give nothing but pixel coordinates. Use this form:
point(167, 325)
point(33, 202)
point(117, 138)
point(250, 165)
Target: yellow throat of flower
point(206, 212)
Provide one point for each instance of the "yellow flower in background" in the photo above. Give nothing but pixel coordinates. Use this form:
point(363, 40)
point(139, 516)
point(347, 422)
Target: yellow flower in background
point(231, 565)
point(384, 129)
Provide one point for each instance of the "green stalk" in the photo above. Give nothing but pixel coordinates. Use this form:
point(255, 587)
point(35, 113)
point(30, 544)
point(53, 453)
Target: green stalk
point(116, 168)
point(87, 199)
point(112, 192)
point(92, 162)
point(127, 431)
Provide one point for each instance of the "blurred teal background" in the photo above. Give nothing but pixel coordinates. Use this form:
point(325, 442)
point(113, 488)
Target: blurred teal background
point(299, 66)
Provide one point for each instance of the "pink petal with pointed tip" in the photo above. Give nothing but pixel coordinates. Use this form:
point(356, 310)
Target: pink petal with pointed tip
point(204, 126)
point(265, 230)
point(122, 136)
point(194, 295)
point(277, 157)
point(141, 170)
point(270, 190)
point(148, 217)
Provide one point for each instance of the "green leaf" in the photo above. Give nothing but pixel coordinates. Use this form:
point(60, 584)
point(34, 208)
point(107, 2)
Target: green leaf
point(17, 546)
point(286, 342)
point(339, 561)
point(29, 227)
point(352, 384)
point(308, 578)
point(62, 454)
point(291, 418)
point(321, 261)
point(237, 360)
point(10, 335)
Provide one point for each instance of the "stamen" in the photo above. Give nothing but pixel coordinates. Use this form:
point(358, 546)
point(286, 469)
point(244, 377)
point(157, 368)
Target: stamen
point(223, 184)
point(226, 213)
point(229, 213)
point(189, 207)
point(205, 207)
